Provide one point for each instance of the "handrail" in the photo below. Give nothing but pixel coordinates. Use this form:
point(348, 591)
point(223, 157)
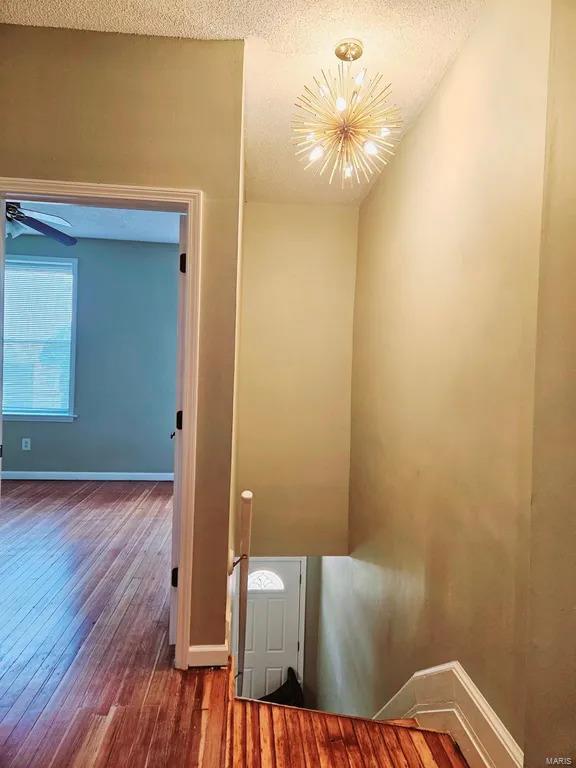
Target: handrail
point(246, 499)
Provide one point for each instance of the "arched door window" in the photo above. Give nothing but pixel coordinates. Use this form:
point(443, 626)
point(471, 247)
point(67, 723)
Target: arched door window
point(265, 581)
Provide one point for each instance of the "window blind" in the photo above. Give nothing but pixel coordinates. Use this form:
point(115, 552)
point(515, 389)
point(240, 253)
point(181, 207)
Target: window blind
point(39, 315)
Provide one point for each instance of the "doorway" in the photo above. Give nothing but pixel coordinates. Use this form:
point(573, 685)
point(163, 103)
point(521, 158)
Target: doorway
point(274, 623)
point(187, 207)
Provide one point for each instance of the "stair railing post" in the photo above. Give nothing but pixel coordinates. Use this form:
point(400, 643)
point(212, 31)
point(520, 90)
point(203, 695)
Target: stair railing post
point(246, 499)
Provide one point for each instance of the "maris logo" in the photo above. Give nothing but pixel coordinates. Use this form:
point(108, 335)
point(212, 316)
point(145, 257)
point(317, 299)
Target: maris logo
point(558, 761)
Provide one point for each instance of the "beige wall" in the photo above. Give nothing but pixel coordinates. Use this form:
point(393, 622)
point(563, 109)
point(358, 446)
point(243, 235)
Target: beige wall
point(98, 107)
point(443, 372)
point(551, 709)
point(294, 375)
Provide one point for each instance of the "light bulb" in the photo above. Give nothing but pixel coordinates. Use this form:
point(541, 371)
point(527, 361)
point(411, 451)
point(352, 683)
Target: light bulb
point(370, 148)
point(316, 153)
point(310, 136)
point(347, 171)
point(359, 79)
point(385, 131)
point(340, 103)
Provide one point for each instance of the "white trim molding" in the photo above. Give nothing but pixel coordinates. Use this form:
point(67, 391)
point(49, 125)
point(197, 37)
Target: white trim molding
point(445, 698)
point(208, 655)
point(26, 475)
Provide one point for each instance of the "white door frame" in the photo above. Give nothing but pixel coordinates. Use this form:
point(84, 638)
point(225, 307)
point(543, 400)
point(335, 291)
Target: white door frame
point(188, 202)
point(302, 604)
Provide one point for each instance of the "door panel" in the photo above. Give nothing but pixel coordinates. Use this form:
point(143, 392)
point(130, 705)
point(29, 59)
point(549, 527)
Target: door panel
point(250, 625)
point(276, 625)
point(247, 687)
point(273, 624)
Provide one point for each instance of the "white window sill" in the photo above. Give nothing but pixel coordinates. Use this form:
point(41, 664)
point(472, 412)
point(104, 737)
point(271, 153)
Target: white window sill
point(37, 417)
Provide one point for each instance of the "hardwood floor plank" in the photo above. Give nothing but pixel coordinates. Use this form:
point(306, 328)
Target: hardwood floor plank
point(423, 750)
point(281, 746)
point(390, 742)
point(298, 753)
point(311, 755)
point(408, 748)
point(435, 744)
point(190, 722)
point(125, 733)
point(339, 755)
point(212, 754)
point(379, 744)
point(239, 724)
point(365, 745)
point(454, 755)
point(267, 748)
point(355, 756)
point(163, 731)
point(322, 740)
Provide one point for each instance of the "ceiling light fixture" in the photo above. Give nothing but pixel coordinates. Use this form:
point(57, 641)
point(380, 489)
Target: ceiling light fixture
point(346, 120)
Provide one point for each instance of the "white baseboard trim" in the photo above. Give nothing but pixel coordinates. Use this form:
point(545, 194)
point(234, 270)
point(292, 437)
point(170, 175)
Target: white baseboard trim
point(25, 475)
point(445, 698)
point(208, 655)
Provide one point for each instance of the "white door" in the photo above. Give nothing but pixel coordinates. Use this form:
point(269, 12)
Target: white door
point(177, 495)
point(274, 624)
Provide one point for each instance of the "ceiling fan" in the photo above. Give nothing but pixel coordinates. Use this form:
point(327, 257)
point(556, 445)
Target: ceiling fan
point(18, 219)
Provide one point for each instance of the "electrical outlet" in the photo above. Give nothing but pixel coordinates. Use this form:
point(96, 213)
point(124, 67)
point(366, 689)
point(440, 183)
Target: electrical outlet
point(26, 444)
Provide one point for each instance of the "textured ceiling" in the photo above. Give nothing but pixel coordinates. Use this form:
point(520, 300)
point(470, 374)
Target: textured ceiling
point(410, 41)
point(111, 223)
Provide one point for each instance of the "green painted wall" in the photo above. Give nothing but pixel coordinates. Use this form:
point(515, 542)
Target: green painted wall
point(125, 363)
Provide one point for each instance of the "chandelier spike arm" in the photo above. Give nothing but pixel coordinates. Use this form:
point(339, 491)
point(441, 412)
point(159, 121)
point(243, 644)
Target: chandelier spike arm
point(337, 161)
point(328, 85)
point(362, 163)
point(316, 106)
point(328, 157)
point(364, 160)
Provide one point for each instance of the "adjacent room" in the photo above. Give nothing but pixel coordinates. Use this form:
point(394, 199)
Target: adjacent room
point(91, 312)
point(90, 345)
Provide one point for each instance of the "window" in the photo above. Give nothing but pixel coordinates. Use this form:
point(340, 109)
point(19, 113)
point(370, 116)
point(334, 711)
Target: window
point(265, 581)
point(39, 337)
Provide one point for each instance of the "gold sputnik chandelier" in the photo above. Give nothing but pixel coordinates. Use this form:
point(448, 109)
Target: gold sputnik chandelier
point(344, 125)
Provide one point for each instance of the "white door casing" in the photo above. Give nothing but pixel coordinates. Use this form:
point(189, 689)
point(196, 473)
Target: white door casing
point(274, 623)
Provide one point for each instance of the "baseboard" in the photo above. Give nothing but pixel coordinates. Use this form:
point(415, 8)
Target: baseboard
point(208, 655)
point(445, 698)
point(25, 475)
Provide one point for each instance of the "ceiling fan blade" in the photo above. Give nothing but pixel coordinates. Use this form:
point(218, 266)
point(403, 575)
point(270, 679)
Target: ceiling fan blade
point(48, 217)
point(47, 230)
point(14, 228)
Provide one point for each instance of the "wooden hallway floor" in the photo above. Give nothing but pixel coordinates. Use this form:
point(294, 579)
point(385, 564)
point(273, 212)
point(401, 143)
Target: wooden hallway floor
point(86, 675)
point(86, 679)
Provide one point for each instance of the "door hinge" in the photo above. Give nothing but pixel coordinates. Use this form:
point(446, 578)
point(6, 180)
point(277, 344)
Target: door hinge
point(183, 262)
point(298, 646)
point(1, 451)
point(179, 417)
point(174, 577)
